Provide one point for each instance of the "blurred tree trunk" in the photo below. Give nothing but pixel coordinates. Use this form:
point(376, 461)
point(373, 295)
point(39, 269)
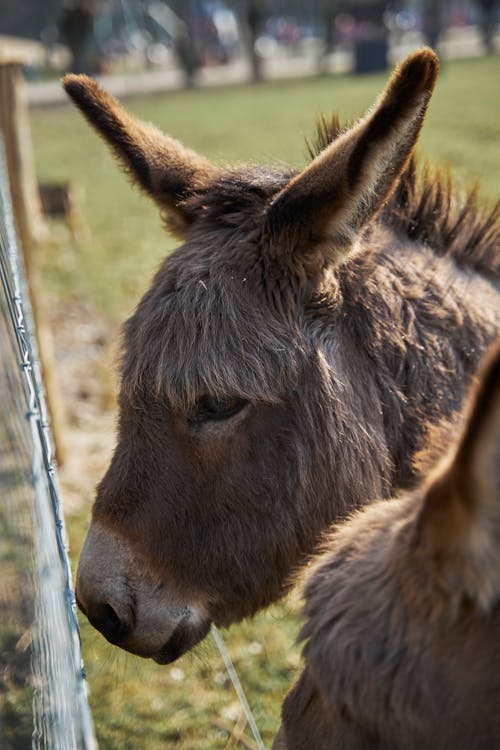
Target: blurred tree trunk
point(432, 21)
point(326, 11)
point(76, 26)
point(488, 9)
point(254, 17)
point(186, 44)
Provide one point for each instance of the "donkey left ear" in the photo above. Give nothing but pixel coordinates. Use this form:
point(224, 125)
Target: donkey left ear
point(348, 181)
point(160, 165)
point(460, 519)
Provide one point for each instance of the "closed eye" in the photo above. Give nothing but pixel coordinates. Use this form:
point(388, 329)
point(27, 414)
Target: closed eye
point(212, 408)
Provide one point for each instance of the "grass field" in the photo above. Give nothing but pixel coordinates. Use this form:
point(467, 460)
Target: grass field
point(191, 705)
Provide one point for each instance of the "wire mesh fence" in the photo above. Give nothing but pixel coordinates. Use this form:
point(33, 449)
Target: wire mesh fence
point(43, 701)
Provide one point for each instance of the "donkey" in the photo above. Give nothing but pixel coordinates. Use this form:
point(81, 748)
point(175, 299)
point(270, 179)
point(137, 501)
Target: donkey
point(403, 611)
point(285, 364)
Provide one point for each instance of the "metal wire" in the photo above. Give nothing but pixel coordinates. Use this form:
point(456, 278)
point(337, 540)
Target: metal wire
point(228, 663)
point(44, 691)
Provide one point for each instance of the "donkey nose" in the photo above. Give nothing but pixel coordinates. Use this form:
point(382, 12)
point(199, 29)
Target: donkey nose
point(104, 618)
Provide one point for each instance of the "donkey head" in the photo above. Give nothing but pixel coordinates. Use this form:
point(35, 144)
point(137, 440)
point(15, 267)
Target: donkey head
point(403, 610)
point(230, 417)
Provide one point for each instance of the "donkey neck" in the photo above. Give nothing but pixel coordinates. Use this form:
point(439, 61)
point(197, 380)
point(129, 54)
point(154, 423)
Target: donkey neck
point(397, 327)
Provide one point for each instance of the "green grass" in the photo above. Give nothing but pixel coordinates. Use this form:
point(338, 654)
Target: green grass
point(191, 704)
point(136, 704)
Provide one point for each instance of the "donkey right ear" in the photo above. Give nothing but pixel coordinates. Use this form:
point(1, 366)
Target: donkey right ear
point(160, 165)
point(345, 185)
point(461, 515)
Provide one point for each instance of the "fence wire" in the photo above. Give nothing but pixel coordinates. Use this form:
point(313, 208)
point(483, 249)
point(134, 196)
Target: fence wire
point(43, 699)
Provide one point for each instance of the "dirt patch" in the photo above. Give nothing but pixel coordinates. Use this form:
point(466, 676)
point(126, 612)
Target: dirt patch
point(85, 352)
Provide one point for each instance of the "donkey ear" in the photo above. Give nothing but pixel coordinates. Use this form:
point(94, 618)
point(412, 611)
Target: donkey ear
point(461, 515)
point(348, 181)
point(160, 165)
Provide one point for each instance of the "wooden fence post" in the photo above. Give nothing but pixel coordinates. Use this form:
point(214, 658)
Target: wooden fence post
point(30, 226)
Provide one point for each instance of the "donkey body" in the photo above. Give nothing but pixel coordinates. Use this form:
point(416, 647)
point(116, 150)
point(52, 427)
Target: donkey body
point(283, 367)
point(403, 611)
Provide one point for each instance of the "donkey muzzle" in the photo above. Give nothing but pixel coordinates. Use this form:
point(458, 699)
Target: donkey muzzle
point(133, 610)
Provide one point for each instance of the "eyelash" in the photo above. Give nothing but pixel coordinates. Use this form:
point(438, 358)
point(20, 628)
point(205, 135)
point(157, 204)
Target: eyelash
point(211, 408)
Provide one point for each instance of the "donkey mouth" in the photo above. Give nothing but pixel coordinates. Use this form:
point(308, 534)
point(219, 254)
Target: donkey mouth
point(184, 637)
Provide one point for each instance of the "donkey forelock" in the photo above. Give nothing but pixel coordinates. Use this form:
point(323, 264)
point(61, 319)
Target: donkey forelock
point(206, 325)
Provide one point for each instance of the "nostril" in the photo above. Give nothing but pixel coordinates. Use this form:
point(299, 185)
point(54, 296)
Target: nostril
point(104, 618)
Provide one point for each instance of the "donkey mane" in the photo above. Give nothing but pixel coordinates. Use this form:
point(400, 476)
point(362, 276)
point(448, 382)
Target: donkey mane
point(427, 207)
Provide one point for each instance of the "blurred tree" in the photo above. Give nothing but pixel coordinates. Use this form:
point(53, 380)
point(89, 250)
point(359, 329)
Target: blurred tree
point(76, 29)
point(187, 43)
point(254, 11)
point(489, 13)
point(432, 21)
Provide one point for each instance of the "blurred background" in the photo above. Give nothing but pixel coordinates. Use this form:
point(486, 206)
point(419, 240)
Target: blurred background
point(251, 38)
point(237, 81)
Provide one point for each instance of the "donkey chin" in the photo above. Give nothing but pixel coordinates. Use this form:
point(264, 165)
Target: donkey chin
point(129, 607)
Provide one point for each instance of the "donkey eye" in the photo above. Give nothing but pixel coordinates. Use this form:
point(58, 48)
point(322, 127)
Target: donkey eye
point(209, 408)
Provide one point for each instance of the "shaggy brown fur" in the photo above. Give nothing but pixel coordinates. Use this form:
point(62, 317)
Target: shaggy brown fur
point(287, 360)
point(402, 611)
